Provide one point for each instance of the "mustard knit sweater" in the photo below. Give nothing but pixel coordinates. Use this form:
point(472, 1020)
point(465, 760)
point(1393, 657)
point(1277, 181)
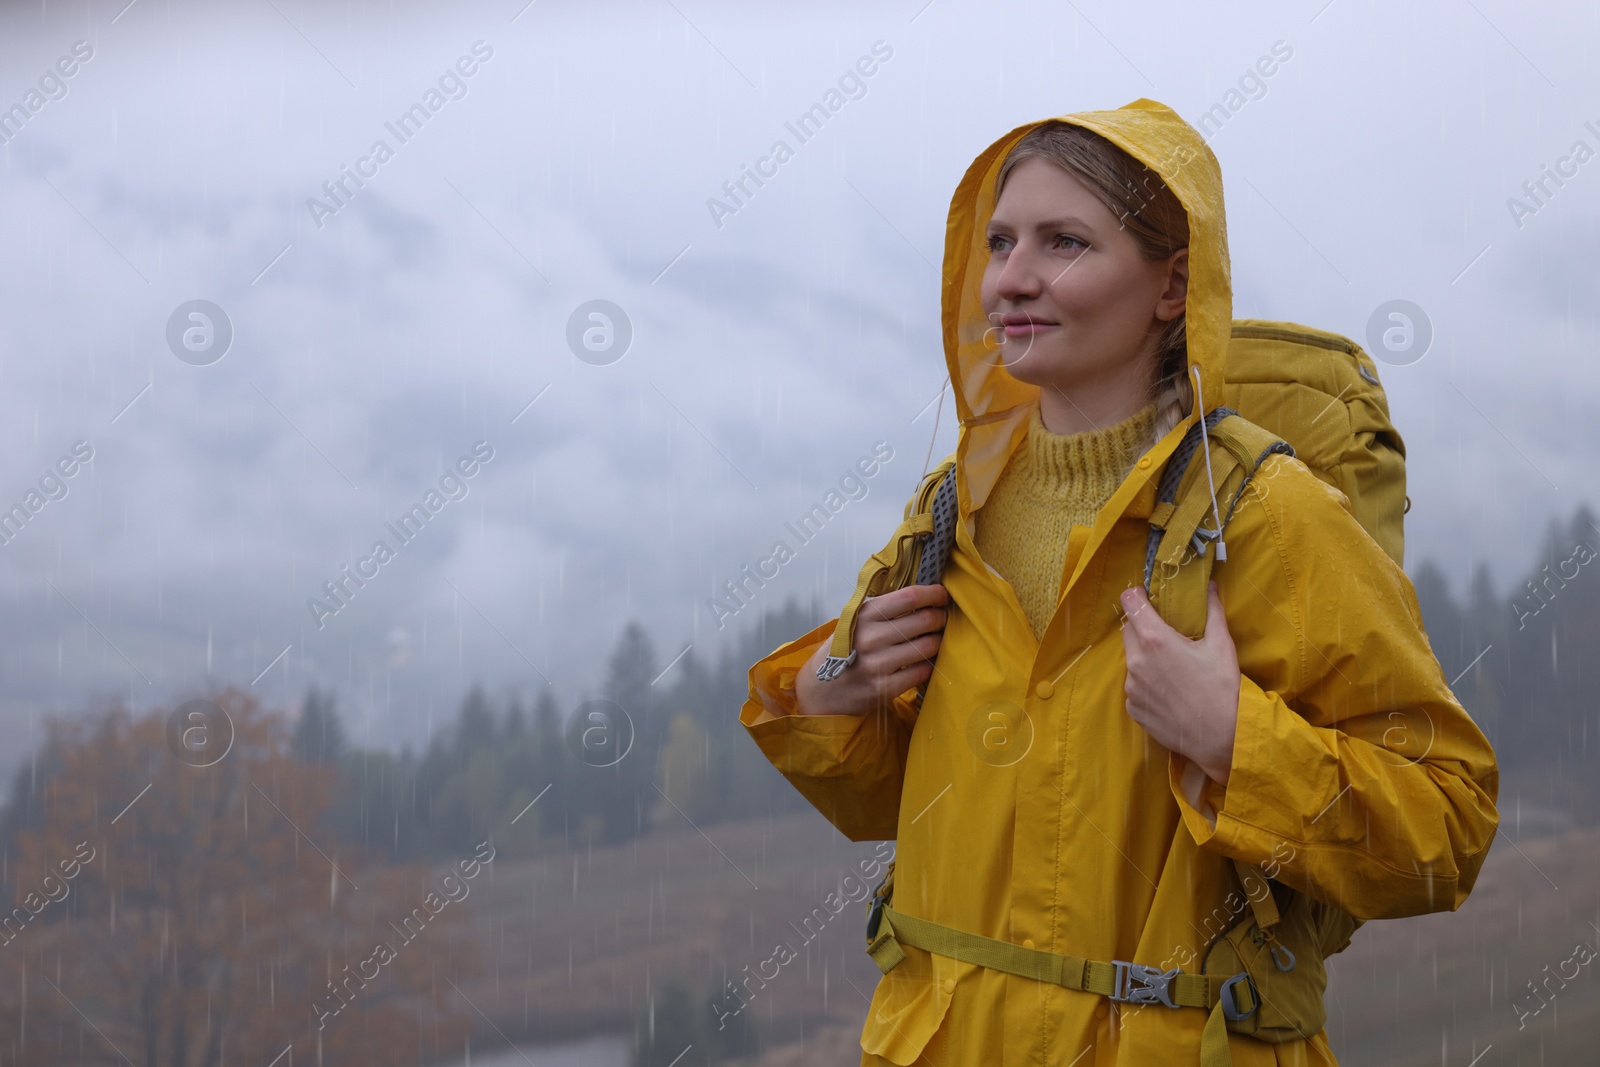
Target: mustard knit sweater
point(1052, 483)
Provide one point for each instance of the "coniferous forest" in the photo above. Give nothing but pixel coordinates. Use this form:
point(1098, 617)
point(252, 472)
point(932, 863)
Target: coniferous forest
point(1518, 657)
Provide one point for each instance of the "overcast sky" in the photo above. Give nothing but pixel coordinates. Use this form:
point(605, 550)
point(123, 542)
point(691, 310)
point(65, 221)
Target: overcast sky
point(379, 336)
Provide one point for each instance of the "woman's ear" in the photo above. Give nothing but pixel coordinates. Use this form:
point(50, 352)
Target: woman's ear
point(1170, 304)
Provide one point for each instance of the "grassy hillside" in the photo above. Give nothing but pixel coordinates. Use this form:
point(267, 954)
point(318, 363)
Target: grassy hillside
point(1444, 988)
point(574, 941)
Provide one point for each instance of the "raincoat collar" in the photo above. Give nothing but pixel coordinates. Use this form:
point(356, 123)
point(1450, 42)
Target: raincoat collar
point(992, 405)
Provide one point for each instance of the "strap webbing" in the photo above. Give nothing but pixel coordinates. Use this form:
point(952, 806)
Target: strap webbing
point(1214, 1051)
point(841, 650)
point(1262, 902)
point(1072, 972)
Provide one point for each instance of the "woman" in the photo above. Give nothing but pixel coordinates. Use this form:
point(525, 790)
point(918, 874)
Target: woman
point(1087, 310)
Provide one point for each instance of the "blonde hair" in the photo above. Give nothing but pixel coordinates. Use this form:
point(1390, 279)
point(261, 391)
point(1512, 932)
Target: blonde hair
point(1149, 211)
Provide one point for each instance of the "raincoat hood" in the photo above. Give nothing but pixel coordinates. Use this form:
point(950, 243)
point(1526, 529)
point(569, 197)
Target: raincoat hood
point(993, 406)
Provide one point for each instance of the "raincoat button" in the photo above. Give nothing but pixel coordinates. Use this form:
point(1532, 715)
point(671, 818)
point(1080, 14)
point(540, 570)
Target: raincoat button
point(1101, 1012)
point(1044, 690)
point(1144, 465)
point(949, 985)
point(1027, 942)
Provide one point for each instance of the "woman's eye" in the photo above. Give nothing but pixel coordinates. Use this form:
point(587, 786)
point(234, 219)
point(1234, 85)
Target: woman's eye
point(1062, 241)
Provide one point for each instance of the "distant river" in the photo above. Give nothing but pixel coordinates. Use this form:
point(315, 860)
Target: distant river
point(600, 1051)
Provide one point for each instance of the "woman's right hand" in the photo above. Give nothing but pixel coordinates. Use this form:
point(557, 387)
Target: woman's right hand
point(897, 637)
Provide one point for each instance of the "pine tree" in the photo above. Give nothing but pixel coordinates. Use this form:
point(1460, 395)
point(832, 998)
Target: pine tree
point(553, 766)
point(319, 735)
point(626, 790)
point(475, 727)
point(686, 787)
point(516, 722)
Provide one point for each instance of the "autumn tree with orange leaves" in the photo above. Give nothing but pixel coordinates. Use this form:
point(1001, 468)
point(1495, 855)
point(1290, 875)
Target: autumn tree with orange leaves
point(175, 906)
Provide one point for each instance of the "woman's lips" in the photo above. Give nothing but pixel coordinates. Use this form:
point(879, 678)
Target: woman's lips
point(1026, 329)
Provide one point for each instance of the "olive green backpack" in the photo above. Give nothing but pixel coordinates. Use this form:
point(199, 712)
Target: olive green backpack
point(1290, 389)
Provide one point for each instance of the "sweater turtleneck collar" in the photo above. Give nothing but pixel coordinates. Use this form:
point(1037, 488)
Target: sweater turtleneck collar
point(1093, 456)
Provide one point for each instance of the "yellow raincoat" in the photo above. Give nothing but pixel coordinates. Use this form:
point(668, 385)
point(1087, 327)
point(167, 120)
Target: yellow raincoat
point(1356, 775)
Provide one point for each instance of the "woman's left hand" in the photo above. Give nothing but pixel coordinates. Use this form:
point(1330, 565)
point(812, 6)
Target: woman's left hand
point(1184, 693)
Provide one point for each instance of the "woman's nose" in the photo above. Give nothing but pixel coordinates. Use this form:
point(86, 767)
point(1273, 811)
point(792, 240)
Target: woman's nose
point(1019, 280)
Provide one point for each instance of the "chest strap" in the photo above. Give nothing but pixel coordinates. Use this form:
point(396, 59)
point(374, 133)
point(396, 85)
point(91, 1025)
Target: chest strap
point(1130, 983)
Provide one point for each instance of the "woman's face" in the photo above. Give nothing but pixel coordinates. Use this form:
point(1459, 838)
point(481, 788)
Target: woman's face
point(1068, 296)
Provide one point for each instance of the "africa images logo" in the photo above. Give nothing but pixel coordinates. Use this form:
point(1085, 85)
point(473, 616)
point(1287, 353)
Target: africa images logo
point(854, 484)
point(340, 190)
point(52, 87)
point(453, 486)
point(852, 85)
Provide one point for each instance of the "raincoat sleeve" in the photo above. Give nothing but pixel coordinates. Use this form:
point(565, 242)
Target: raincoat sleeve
point(849, 767)
point(1356, 776)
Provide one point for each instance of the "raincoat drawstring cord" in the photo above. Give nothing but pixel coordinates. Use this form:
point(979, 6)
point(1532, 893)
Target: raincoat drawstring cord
point(1205, 440)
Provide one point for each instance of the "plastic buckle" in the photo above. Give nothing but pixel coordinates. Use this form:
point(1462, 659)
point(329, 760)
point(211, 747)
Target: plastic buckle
point(879, 899)
point(834, 666)
point(873, 915)
point(1230, 1003)
point(1154, 985)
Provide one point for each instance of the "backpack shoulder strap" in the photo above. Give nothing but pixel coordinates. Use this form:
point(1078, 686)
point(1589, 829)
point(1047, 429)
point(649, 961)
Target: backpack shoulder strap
point(934, 554)
point(916, 554)
point(1182, 549)
point(1194, 502)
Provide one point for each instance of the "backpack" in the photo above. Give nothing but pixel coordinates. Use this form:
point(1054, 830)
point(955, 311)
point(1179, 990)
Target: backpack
point(1310, 393)
point(1289, 389)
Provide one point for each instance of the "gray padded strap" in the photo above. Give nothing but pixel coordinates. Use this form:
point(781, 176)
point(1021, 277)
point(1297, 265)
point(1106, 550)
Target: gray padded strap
point(935, 555)
point(937, 548)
